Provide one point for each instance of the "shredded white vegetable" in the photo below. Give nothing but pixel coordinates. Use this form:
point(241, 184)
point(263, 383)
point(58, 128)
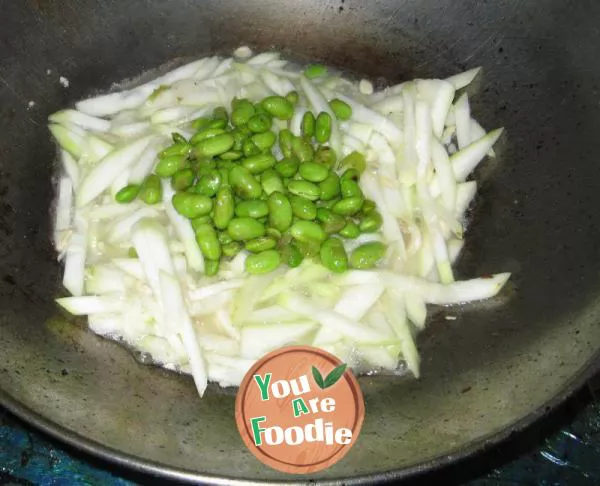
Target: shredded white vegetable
point(137, 272)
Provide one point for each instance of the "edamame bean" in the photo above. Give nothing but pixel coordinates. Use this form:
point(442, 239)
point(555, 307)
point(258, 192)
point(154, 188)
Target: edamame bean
point(241, 114)
point(127, 193)
point(315, 71)
point(231, 249)
point(180, 148)
point(182, 179)
point(313, 172)
point(240, 134)
point(302, 149)
point(259, 163)
point(192, 205)
point(224, 237)
point(243, 229)
point(350, 231)
point(367, 255)
point(167, 166)
point(244, 183)
point(271, 182)
point(333, 255)
point(341, 109)
point(292, 256)
point(368, 206)
point(287, 167)
point(330, 187)
point(264, 262)
point(325, 156)
point(292, 97)
point(200, 123)
point(351, 175)
point(211, 267)
point(280, 211)
point(206, 134)
point(197, 222)
point(178, 138)
point(279, 107)
point(264, 141)
point(329, 204)
point(224, 173)
point(303, 208)
point(214, 146)
point(348, 206)
point(262, 243)
point(249, 148)
point(252, 209)
point(371, 222)
point(220, 113)
point(354, 160)
point(231, 155)
point(350, 188)
point(309, 248)
point(274, 233)
point(305, 189)
point(209, 183)
point(203, 165)
point(307, 127)
point(330, 221)
point(323, 127)
point(285, 142)
point(307, 231)
point(151, 190)
point(208, 241)
point(224, 207)
point(259, 123)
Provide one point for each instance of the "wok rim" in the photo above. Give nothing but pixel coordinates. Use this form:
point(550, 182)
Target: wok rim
point(164, 471)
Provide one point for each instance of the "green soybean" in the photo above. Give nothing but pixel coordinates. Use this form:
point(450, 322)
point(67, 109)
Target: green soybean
point(315, 71)
point(341, 109)
point(167, 166)
point(249, 148)
point(351, 230)
point(252, 209)
point(325, 156)
point(209, 183)
point(224, 176)
point(178, 137)
point(323, 127)
point(292, 97)
point(371, 222)
point(200, 123)
point(241, 114)
point(285, 142)
point(179, 148)
point(279, 107)
point(182, 179)
point(303, 208)
point(271, 182)
point(151, 190)
point(197, 222)
point(308, 248)
point(313, 172)
point(288, 166)
point(224, 237)
point(206, 134)
point(348, 206)
point(280, 211)
point(330, 203)
point(351, 175)
point(302, 149)
point(292, 256)
point(264, 141)
point(243, 229)
point(214, 146)
point(231, 249)
point(368, 206)
point(305, 189)
point(350, 188)
point(330, 187)
point(264, 262)
point(259, 163)
point(244, 183)
point(211, 267)
point(354, 160)
point(127, 193)
point(208, 241)
point(333, 255)
point(261, 243)
point(307, 231)
point(307, 127)
point(231, 155)
point(367, 255)
point(224, 207)
point(259, 123)
point(274, 233)
point(330, 221)
point(192, 205)
point(203, 165)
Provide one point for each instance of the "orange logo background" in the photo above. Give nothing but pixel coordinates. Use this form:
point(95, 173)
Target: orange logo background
point(328, 422)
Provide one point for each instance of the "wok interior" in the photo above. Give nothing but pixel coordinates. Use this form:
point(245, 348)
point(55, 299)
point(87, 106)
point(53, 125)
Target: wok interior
point(499, 364)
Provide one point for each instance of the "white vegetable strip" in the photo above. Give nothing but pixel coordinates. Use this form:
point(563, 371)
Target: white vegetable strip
point(439, 95)
point(462, 117)
point(423, 137)
point(397, 319)
point(70, 167)
point(357, 301)
point(416, 310)
point(67, 139)
point(462, 80)
point(465, 160)
point(144, 164)
point(258, 340)
point(91, 304)
point(62, 221)
point(75, 256)
point(82, 120)
point(465, 192)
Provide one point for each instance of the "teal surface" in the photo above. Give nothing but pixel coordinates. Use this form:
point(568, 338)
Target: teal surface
point(563, 449)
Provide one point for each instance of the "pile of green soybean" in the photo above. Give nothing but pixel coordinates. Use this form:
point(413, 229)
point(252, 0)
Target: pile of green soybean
point(237, 195)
